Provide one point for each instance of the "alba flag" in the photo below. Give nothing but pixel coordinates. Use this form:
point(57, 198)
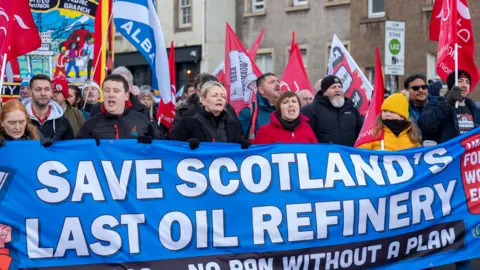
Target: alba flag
point(133, 17)
point(19, 34)
point(374, 110)
point(295, 76)
point(240, 72)
point(451, 24)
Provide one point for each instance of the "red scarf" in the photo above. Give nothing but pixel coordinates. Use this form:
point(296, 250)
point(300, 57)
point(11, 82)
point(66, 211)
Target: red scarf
point(42, 120)
point(128, 105)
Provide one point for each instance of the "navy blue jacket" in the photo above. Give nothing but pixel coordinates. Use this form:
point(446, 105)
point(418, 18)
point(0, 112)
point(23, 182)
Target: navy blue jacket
point(441, 119)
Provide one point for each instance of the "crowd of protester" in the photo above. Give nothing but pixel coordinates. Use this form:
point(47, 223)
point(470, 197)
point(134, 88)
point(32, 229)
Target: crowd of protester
point(421, 114)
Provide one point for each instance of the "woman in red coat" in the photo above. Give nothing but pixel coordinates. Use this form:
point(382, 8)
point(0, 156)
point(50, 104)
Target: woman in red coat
point(287, 125)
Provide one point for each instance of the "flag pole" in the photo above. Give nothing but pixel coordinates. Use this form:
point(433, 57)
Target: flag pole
point(456, 70)
point(4, 66)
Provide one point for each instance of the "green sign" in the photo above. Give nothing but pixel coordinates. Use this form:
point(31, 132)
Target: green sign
point(394, 46)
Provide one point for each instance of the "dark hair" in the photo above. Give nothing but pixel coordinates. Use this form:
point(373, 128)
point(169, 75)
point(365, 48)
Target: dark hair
point(185, 90)
point(412, 78)
point(283, 96)
point(117, 78)
point(40, 77)
point(262, 78)
point(202, 78)
point(78, 94)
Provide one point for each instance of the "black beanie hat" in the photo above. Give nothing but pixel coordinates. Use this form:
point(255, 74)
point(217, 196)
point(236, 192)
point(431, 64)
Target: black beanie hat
point(328, 81)
point(451, 78)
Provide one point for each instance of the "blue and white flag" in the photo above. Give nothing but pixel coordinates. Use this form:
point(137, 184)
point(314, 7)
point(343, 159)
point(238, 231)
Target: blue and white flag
point(137, 21)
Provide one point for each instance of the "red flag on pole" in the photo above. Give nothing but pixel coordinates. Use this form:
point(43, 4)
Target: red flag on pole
point(294, 42)
point(256, 45)
point(374, 110)
point(18, 32)
point(240, 72)
point(167, 111)
point(220, 70)
point(101, 39)
point(295, 76)
point(451, 24)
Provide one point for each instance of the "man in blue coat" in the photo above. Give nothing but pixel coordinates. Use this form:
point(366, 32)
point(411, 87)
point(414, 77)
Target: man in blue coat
point(268, 90)
point(444, 118)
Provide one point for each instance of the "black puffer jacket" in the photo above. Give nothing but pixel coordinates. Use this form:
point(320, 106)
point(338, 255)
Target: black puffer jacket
point(205, 127)
point(192, 107)
point(334, 125)
point(136, 106)
point(129, 125)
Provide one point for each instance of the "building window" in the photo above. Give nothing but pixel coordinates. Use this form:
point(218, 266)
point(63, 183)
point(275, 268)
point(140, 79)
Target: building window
point(376, 8)
point(185, 13)
point(432, 67)
point(303, 52)
point(370, 74)
point(264, 62)
point(258, 5)
point(297, 3)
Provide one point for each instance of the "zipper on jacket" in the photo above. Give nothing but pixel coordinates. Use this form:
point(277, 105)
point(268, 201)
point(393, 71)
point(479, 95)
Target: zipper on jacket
point(116, 131)
point(293, 134)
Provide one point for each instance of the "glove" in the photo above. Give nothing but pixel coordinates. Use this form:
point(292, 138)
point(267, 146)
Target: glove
point(194, 143)
point(2, 142)
point(145, 139)
point(454, 95)
point(47, 142)
point(244, 143)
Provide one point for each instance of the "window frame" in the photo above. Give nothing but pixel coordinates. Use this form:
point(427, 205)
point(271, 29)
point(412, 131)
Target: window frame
point(299, 3)
point(266, 51)
point(254, 3)
point(182, 25)
point(372, 14)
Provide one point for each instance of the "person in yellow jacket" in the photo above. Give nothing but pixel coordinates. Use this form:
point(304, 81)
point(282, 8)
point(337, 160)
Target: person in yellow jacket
point(398, 131)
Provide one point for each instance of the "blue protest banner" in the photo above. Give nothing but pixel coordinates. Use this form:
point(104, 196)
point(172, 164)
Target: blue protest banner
point(164, 206)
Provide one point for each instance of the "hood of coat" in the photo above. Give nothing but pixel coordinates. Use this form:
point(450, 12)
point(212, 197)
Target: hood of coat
point(55, 113)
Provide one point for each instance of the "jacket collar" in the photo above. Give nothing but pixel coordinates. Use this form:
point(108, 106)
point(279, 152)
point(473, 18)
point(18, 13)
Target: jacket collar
point(274, 120)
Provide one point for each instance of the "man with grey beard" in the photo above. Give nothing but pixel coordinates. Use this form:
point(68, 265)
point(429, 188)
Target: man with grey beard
point(333, 118)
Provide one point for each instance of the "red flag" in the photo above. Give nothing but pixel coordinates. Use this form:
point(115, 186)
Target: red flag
point(220, 70)
point(240, 72)
point(256, 45)
point(435, 20)
point(294, 42)
point(367, 133)
point(455, 28)
point(104, 10)
point(18, 32)
point(295, 76)
point(166, 112)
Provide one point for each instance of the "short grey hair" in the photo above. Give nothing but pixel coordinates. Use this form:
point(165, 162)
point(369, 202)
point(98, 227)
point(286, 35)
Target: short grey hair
point(125, 72)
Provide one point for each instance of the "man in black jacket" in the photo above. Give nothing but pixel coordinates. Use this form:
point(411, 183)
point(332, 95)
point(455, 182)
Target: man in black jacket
point(333, 118)
point(117, 119)
point(444, 118)
point(136, 105)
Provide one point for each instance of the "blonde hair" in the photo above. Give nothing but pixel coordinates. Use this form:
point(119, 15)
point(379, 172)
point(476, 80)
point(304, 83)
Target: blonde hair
point(413, 133)
point(15, 105)
point(208, 86)
point(149, 95)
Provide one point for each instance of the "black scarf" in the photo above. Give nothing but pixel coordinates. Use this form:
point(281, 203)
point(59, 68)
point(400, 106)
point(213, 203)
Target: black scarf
point(396, 126)
point(288, 125)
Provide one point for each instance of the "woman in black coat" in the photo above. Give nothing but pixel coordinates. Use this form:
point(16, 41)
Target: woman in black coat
point(212, 123)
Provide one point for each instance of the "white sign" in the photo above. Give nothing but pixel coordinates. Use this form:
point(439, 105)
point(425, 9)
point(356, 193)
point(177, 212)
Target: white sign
point(394, 48)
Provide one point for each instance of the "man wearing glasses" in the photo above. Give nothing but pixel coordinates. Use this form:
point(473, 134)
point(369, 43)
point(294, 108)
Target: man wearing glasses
point(418, 89)
point(454, 115)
